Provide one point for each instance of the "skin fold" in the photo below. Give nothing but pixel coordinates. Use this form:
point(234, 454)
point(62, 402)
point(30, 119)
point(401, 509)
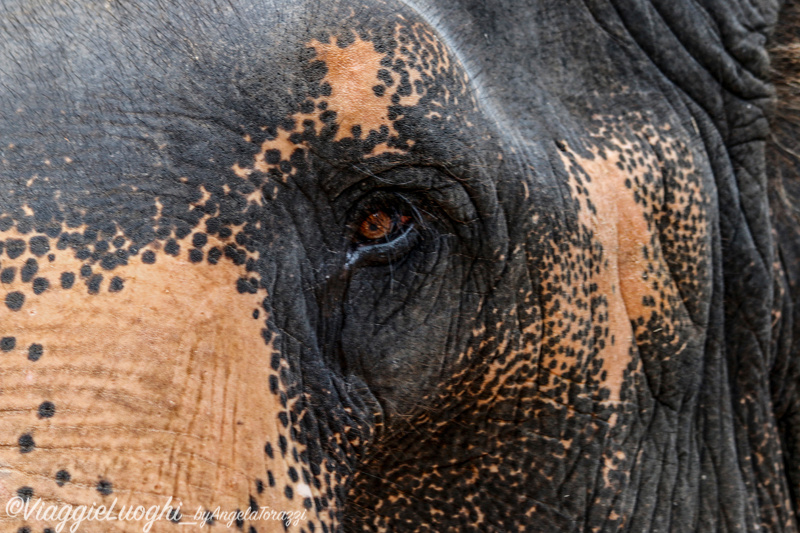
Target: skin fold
point(466, 266)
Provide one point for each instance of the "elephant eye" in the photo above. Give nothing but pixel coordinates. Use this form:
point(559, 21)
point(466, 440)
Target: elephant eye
point(381, 225)
point(382, 229)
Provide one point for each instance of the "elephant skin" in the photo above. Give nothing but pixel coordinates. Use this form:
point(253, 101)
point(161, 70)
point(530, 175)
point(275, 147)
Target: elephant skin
point(391, 266)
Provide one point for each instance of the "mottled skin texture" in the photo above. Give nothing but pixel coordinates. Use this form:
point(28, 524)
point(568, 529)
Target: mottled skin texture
point(507, 266)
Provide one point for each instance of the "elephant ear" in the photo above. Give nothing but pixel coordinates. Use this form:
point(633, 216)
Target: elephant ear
point(783, 159)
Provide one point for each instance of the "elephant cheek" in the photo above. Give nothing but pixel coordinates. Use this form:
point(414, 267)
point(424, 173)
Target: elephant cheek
point(157, 390)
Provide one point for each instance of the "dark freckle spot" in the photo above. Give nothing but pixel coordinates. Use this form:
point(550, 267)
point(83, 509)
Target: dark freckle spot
point(268, 450)
point(86, 271)
point(174, 516)
point(29, 270)
point(356, 131)
point(40, 285)
point(273, 157)
point(239, 257)
point(116, 285)
point(47, 410)
point(172, 247)
point(104, 487)
point(199, 240)
point(24, 225)
point(94, 283)
point(182, 231)
point(35, 352)
point(293, 474)
point(224, 233)
point(48, 530)
point(195, 256)
point(379, 90)
point(328, 117)
point(253, 507)
point(8, 343)
point(51, 257)
point(270, 478)
point(259, 486)
point(83, 254)
point(15, 248)
point(39, 246)
point(26, 444)
point(239, 519)
point(26, 493)
point(288, 492)
point(149, 257)
point(24, 529)
point(108, 262)
point(14, 300)
point(208, 517)
point(213, 224)
point(62, 478)
point(101, 246)
point(67, 280)
point(8, 274)
point(282, 444)
point(284, 418)
point(53, 231)
point(251, 265)
point(315, 71)
point(214, 255)
point(119, 242)
point(307, 107)
point(386, 77)
point(246, 286)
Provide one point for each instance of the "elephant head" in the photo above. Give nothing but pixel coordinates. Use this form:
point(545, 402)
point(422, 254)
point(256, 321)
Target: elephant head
point(462, 266)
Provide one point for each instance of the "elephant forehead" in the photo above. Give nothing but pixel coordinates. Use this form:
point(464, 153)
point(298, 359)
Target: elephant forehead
point(142, 383)
point(363, 88)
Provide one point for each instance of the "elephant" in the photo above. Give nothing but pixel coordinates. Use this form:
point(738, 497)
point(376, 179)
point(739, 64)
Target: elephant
point(400, 265)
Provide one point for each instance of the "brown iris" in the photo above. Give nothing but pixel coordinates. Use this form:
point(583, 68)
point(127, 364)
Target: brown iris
point(376, 225)
point(379, 225)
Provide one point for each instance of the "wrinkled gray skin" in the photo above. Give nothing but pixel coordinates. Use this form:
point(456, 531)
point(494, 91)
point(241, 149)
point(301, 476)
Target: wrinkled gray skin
point(443, 266)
